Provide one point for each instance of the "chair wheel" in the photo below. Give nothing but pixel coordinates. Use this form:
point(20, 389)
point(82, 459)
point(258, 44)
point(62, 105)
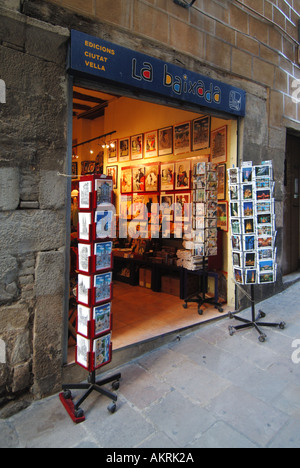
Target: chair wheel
point(261, 314)
point(220, 309)
point(185, 306)
point(112, 408)
point(200, 311)
point(230, 315)
point(231, 330)
point(282, 325)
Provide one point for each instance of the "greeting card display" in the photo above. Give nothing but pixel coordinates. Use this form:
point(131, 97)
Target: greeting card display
point(94, 290)
point(252, 221)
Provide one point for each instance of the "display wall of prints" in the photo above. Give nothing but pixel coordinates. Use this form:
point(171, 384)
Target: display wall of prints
point(178, 139)
point(253, 223)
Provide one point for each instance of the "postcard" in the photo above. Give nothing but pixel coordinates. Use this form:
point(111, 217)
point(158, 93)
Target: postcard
point(237, 258)
point(264, 207)
point(104, 227)
point(234, 209)
point(200, 209)
point(102, 317)
point(199, 182)
point(103, 253)
point(200, 168)
point(84, 285)
point(236, 243)
point(199, 250)
point(83, 317)
point(263, 171)
point(264, 182)
point(234, 192)
point(83, 349)
point(199, 236)
point(199, 195)
point(246, 174)
point(265, 242)
point(263, 194)
point(236, 226)
point(248, 209)
point(249, 242)
point(265, 218)
point(247, 191)
point(265, 253)
point(84, 252)
point(266, 265)
point(211, 222)
point(85, 220)
point(199, 222)
point(250, 259)
point(265, 230)
point(85, 188)
point(102, 284)
point(250, 277)
point(104, 189)
point(267, 278)
point(101, 349)
point(238, 275)
point(234, 176)
point(248, 226)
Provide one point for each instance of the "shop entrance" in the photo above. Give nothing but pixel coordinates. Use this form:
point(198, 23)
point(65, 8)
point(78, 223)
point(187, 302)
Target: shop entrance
point(291, 253)
point(116, 135)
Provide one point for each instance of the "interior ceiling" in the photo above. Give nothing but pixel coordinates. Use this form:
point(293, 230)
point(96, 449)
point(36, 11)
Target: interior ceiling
point(88, 104)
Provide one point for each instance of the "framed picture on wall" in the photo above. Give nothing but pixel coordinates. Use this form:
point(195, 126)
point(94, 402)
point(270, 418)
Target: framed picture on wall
point(151, 177)
point(201, 133)
point(112, 152)
point(219, 145)
point(167, 175)
point(112, 171)
point(150, 144)
point(138, 179)
point(126, 180)
point(221, 171)
point(165, 141)
point(137, 147)
point(182, 138)
point(182, 169)
point(222, 216)
point(124, 149)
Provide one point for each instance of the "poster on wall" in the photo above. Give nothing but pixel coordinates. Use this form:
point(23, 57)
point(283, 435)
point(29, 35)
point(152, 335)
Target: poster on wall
point(151, 144)
point(167, 176)
point(182, 138)
point(182, 169)
point(112, 152)
point(138, 179)
point(165, 141)
point(112, 171)
point(126, 180)
point(124, 149)
point(137, 147)
point(151, 178)
point(219, 145)
point(201, 133)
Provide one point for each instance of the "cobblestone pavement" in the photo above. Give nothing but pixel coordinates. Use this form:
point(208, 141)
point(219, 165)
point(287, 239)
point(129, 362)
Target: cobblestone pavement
point(207, 390)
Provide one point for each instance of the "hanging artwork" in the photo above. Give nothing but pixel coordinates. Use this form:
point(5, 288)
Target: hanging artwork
point(219, 145)
point(137, 147)
point(182, 138)
point(201, 133)
point(151, 144)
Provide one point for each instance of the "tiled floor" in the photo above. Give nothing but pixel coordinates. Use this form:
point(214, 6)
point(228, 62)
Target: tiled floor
point(140, 314)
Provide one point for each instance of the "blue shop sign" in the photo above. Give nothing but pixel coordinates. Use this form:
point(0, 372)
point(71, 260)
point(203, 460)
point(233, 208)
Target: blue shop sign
point(98, 58)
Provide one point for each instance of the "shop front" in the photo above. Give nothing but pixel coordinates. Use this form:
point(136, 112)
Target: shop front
point(150, 126)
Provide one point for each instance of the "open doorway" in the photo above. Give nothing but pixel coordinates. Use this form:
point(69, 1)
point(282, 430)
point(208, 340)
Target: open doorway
point(104, 126)
point(291, 239)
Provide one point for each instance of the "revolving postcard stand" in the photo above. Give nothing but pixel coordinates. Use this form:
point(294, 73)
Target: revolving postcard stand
point(253, 235)
point(94, 292)
point(204, 236)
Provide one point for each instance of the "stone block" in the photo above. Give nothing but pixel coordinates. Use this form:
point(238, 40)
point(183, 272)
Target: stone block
point(241, 63)
point(52, 189)
point(238, 19)
point(117, 12)
point(263, 72)
point(218, 53)
point(8, 278)
point(9, 188)
point(50, 268)
point(21, 378)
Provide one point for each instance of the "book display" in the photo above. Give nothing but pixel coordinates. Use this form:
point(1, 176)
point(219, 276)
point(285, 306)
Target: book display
point(253, 234)
point(94, 290)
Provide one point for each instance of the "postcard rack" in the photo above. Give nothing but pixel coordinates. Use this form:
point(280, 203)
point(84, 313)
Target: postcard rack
point(204, 238)
point(253, 235)
point(94, 292)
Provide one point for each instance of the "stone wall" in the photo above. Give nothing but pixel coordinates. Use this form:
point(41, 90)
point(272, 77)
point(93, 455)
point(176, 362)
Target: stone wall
point(33, 216)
